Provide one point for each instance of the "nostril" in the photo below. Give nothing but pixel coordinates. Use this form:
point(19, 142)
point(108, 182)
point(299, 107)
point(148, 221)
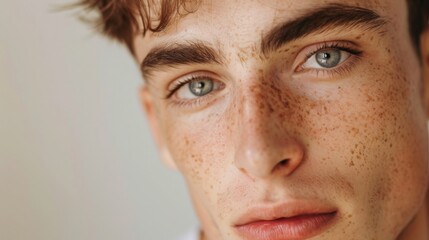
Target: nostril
point(283, 162)
point(280, 165)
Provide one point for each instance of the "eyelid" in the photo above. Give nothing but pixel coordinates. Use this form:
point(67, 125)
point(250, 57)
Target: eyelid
point(307, 52)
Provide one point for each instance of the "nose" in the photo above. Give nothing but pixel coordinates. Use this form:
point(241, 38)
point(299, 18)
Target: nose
point(265, 147)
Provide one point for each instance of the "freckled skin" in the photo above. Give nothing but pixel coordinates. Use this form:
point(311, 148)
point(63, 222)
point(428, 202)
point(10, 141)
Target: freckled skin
point(358, 141)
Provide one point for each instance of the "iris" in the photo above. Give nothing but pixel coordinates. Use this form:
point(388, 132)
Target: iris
point(328, 58)
point(201, 87)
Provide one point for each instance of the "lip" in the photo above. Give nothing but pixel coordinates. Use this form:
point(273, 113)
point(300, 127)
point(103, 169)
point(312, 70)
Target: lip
point(293, 220)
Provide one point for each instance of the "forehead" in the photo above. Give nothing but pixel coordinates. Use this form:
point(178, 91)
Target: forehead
point(241, 23)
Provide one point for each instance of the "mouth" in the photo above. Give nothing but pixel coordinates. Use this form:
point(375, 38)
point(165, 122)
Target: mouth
point(287, 221)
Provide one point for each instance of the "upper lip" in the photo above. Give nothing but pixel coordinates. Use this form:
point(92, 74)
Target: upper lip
point(284, 210)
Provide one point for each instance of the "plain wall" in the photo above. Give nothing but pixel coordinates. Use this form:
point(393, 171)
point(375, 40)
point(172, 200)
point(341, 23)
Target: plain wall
point(77, 160)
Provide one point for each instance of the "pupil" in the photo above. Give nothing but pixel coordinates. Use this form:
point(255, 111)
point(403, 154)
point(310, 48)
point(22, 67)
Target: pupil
point(200, 85)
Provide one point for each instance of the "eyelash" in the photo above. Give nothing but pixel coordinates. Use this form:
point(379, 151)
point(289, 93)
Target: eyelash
point(333, 45)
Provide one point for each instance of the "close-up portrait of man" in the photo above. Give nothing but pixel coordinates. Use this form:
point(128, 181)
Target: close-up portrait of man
point(287, 119)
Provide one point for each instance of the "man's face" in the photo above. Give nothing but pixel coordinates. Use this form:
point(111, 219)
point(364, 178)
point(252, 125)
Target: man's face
point(287, 131)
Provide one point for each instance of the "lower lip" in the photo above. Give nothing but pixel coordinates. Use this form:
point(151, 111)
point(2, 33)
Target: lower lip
point(294, 228)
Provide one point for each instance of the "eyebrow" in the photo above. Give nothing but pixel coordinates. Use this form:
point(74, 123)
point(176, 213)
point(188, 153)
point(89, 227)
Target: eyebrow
point(170, 55)
point(319, 20)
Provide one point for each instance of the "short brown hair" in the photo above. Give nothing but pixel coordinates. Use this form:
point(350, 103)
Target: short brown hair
point(120, 19)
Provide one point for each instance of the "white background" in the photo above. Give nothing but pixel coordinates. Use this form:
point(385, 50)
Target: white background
point(76, 157)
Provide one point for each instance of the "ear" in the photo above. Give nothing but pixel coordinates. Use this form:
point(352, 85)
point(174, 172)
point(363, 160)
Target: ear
point(424, 46)
point(149, 108)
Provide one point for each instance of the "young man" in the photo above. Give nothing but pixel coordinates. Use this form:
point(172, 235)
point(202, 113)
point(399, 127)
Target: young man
point(288, 119)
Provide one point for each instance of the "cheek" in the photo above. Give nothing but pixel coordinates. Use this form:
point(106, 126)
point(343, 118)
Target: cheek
point(198, 146)
point(376, 136)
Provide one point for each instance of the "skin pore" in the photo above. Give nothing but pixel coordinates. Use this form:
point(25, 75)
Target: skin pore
point(275, 126)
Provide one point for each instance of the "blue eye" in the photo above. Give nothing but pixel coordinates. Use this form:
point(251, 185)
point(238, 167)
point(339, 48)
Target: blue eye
point(326, 58)
point(196, 87)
